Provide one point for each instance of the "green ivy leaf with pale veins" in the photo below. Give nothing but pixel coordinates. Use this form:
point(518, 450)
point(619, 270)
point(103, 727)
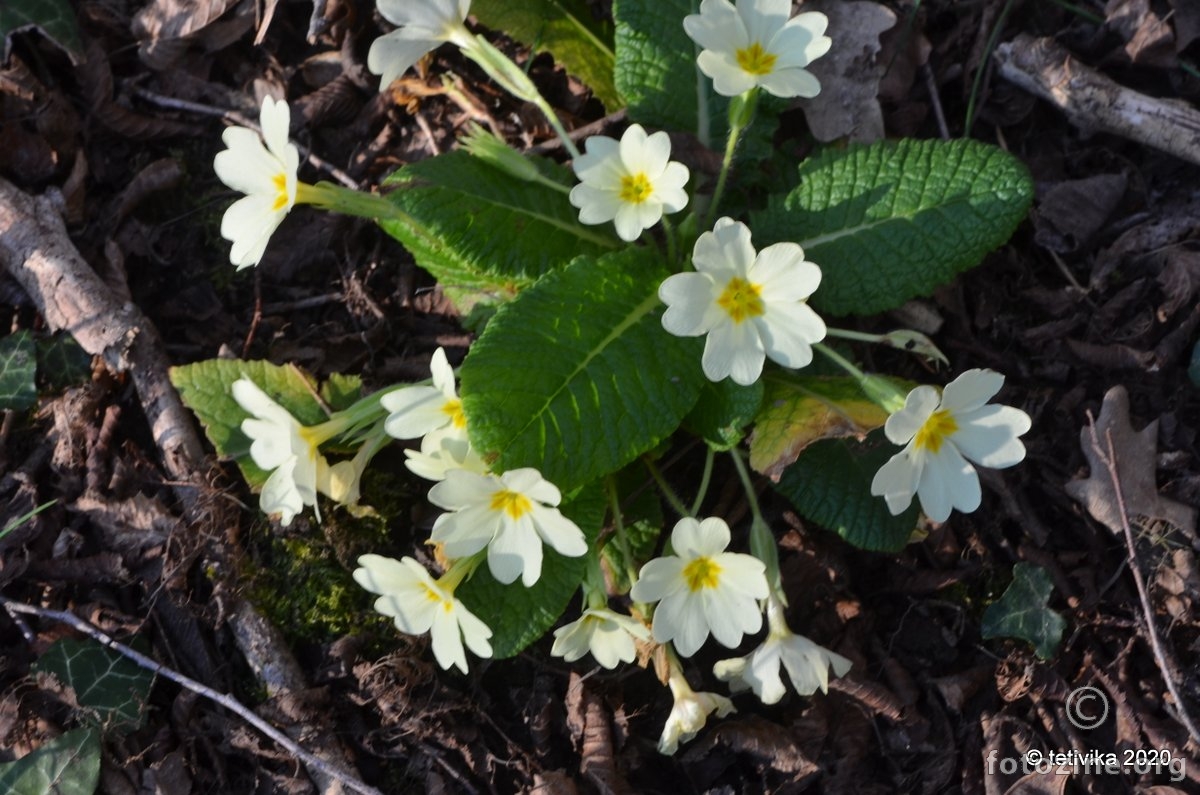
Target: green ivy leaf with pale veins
point(1022, 612)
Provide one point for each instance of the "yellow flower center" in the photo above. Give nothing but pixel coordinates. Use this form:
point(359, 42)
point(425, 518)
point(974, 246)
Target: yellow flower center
point(436, 598)
point(281, 194)
point(701, 573)
point(453, 408)
point(936, 430)
point(635, 188)
point(755, 60)
point(741, 299)
point(512, 503)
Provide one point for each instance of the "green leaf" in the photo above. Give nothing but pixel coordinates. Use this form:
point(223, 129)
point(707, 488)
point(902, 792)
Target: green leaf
point(1022, 613)
point(723, 411)
point(18, 369)
point(564, 28)
point(799, 410)
point(54, 18)
point(830, 484)
point(67, 765)
point(656, 70)
point(891, 221)
point(577, 376)
point(62, 363)
point(340, 391)
point(642, 514)
point(103, 680)
point(206, 389)
point(518, 615)
point(484, 234)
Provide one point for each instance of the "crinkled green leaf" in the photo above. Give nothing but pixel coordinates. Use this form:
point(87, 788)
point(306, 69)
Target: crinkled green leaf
point(206, 389)
point(518, 615)
point(18, 371)
point(67, 765)
point(723, 411)
point(484, 234)
point(564, 28)
point(1022, 613)
point(800, 409)
point(61, 362)
point(103, 680)
point(341, 391)
point(576, 376)
point(891, 221)
point(656, 70)
point(830, 484)
point(54, 18)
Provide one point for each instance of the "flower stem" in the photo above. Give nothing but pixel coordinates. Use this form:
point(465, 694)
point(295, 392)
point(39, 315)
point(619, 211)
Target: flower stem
point(741, 114)
point(702, 491)
point(614, 502)
point(880, 390)
point(672, 246)
point(665, 488)
point(762, 541)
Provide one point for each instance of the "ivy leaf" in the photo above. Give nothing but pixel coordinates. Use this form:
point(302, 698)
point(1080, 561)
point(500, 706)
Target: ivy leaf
point(830, 484)
point(67, 765)
point(18, 371)
point(61, 362)
point(486, 235)
point(55, 19)
point(564, 28)
point(102, 679)
point(799, 410)
point(1022, 613)
point(891, 221)
point(206, 389)
point(518, 615)
point(561, 379)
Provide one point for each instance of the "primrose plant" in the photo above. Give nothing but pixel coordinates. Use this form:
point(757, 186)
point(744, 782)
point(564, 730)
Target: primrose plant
point(625, 302)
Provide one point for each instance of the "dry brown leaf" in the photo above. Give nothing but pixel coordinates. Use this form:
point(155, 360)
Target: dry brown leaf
point(1136, 456)
point(174, 19)
point(848, 105)
point(1072, 212)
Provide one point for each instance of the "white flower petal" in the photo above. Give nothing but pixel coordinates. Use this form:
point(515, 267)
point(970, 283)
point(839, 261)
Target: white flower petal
point(971, 390)
point(896, 481)
point(988, 435)
point(920, 404)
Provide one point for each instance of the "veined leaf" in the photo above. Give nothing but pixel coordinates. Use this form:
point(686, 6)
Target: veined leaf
point(723, 412)
point(67, 765)
point(564, 28)
point(54, 18)
point(576, 376)
point(1022, 613)
point(103, 680)
point(18, 371)
point(483, 233)
point(891, 221)
point(830, 484)
point(518, 615)
point(206, 389)
point(799, 410)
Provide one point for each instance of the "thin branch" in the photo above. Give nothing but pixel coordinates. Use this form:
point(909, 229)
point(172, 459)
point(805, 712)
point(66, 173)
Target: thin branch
point(228, 702)
point(242, 121)
point(1160, 656)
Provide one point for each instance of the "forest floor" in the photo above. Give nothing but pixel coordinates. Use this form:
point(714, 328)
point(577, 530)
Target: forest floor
point(1097, 289)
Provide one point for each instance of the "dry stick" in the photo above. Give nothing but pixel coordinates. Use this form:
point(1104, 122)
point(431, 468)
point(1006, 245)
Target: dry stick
point(226, 701)
point(242, 121)
point(36, 250)
point(1160, 657)
point(1094, 102)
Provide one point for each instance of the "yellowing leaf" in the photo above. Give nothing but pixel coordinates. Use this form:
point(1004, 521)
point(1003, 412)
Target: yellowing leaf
point(797, 411)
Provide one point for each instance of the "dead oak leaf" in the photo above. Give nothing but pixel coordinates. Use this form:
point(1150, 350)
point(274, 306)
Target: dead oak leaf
point(1135, 453)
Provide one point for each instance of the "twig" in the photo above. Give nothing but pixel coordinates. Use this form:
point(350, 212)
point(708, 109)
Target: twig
point(935, 99)
point(226, 701)
point(242, 121)
point(1160, 657)
point(1094, 102)
point(579, 133)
